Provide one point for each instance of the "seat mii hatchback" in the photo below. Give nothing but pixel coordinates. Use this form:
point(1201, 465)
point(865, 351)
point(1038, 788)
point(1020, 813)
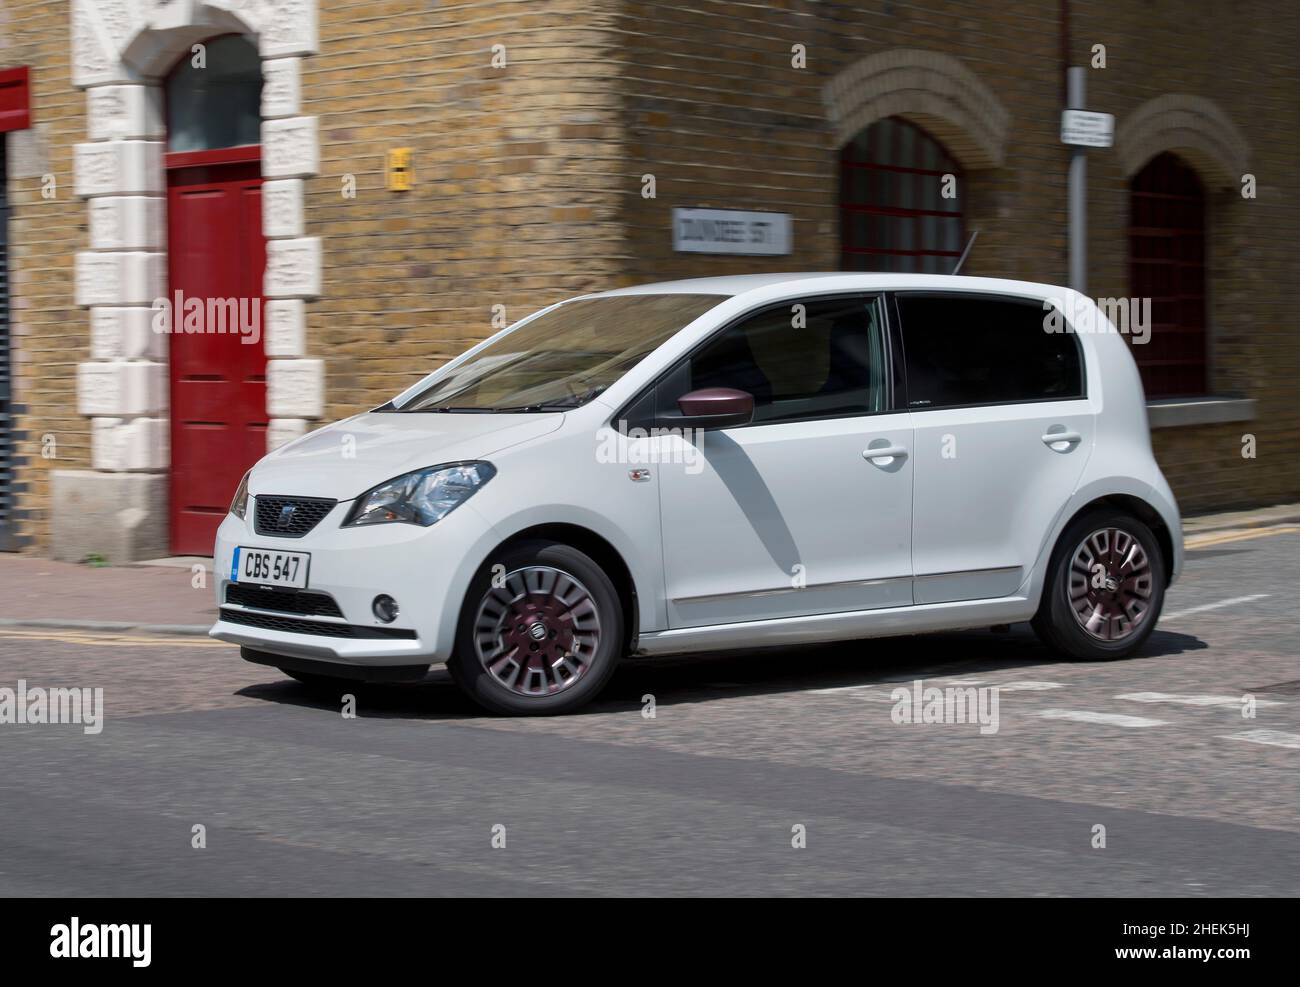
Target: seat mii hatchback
point(725, 463)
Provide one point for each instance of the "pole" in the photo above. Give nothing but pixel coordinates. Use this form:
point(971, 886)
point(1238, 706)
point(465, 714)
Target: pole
point(1078, 189)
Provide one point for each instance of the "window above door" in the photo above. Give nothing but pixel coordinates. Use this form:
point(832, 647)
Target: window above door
point(218, 104)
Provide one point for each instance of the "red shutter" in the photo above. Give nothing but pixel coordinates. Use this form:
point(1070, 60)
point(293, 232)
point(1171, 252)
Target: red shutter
point(15, 100)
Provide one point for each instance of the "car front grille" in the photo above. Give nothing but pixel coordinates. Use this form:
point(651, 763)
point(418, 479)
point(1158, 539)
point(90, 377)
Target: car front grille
point(289, 517)
point(294, 625)
point(308, 603)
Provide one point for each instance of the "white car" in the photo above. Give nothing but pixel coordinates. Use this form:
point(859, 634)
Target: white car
point(722, 463)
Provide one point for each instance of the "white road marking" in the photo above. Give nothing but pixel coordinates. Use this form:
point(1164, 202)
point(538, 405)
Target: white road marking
point(842, 688)
point(1274, 738)
point(1214, 606)
point(1229, 702)
point(1029, 686)
point(1108, 719)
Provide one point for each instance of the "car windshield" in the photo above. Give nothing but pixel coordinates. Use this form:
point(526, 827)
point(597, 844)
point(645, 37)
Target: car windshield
point(562, 358)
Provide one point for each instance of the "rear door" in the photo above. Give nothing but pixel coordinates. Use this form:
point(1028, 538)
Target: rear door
point(1003, 430)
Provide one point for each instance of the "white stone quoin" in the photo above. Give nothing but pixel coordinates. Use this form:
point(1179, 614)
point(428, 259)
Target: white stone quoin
point(295, 388)
point(293, 268)
point(284, 430)
point(281, 88)
point(128, 444)
point(115, 389)
point(124, 112)
point(127, 222)
point(119, 168)
point(285, 327)
point(119, 277)
point(125, 333)
point(282, 208)
point(289, 28)
point(290, 148)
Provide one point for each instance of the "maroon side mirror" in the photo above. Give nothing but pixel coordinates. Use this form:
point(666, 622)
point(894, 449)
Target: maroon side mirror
point(716, 407)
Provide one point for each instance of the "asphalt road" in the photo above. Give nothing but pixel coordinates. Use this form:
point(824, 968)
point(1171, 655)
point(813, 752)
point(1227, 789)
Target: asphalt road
point(705, 798)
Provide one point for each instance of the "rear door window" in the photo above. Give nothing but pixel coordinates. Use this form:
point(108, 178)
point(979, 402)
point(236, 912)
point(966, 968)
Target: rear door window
point(963, 350)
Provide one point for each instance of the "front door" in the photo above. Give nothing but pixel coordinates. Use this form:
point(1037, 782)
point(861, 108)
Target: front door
point(791, 515)
point(218, 370)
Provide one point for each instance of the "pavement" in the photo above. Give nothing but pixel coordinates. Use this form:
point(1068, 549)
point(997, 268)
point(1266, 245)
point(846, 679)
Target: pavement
point(176, 595)
point(775, 771)
point(163, 598)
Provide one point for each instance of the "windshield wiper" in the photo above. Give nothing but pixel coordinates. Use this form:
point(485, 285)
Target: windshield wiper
point(451, 409)
point(563, 404)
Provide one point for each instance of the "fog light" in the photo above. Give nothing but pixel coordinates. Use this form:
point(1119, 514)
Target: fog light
point(385, 608)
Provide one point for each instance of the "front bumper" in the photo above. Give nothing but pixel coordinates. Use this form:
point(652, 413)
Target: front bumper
point(427, 571)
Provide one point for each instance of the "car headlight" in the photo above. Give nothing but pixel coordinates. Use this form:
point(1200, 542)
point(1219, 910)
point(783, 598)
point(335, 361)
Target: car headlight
point(421, 497)
point(239, 506)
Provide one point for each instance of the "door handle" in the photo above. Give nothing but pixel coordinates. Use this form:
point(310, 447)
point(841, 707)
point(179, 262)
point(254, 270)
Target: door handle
point(1068, 438)
point(887, 453)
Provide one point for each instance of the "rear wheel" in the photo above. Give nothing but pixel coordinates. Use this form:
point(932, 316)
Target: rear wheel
point(540, 632)
point(1105, 587)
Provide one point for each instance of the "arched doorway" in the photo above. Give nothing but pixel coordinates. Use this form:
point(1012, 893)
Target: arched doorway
point(1166, 237)
point(893, 216)
point(216, 259)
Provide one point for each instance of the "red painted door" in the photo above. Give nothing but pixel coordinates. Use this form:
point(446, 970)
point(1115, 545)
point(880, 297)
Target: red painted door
point(218, 381)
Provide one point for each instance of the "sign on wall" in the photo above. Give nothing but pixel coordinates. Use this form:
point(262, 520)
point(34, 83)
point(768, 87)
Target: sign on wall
point(731, 231)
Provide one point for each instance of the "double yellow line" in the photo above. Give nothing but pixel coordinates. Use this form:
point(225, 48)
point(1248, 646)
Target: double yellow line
point(109, 638)
point(1240, 534)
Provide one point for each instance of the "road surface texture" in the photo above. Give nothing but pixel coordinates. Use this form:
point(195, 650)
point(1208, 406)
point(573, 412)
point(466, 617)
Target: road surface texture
point(746, 756)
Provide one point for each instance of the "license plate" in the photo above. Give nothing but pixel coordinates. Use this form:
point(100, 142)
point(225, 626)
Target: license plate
point(258, 565)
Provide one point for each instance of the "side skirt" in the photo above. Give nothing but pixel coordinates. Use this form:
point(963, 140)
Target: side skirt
point(825, 628)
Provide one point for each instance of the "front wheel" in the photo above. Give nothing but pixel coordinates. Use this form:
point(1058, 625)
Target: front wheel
point(1104, 589)
point(540, 632)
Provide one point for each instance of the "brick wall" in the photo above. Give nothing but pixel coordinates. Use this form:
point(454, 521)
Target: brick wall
point(516, 171)
point(50, 335)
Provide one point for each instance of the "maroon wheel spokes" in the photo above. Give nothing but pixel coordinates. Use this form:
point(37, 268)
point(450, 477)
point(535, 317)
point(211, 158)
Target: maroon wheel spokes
point(1110, 584)
point(537, 632)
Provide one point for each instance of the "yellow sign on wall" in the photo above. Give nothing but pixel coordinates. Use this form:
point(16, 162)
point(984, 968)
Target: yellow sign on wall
point(399, 169)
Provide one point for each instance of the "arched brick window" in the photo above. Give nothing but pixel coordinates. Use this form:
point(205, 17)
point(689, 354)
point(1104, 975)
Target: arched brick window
point(1166, 237)
point(893, 216)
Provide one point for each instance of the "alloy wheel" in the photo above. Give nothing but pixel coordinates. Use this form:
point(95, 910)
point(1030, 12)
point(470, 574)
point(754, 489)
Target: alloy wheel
point(537, 631)
point(1110, 587)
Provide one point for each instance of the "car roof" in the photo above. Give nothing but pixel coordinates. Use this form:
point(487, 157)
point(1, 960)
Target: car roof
point(739, 284)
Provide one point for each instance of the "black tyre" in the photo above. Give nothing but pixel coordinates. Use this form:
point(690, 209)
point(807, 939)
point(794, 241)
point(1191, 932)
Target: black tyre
point(1105, 587)
point(540, 632)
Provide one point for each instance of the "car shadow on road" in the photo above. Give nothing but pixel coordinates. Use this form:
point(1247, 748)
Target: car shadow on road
point(755, 672)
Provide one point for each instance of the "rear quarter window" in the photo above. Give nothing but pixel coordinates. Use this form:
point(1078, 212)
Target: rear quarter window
point(963, 350)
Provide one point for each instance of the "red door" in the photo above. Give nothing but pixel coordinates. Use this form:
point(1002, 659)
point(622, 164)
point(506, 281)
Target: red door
point(218, 381)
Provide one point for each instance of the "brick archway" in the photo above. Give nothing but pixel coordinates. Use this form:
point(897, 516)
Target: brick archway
point(1192, 126)
point(934, 90)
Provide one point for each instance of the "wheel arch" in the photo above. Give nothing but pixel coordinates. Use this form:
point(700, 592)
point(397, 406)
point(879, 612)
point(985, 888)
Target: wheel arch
point(1138, 508)
point(602, 552)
